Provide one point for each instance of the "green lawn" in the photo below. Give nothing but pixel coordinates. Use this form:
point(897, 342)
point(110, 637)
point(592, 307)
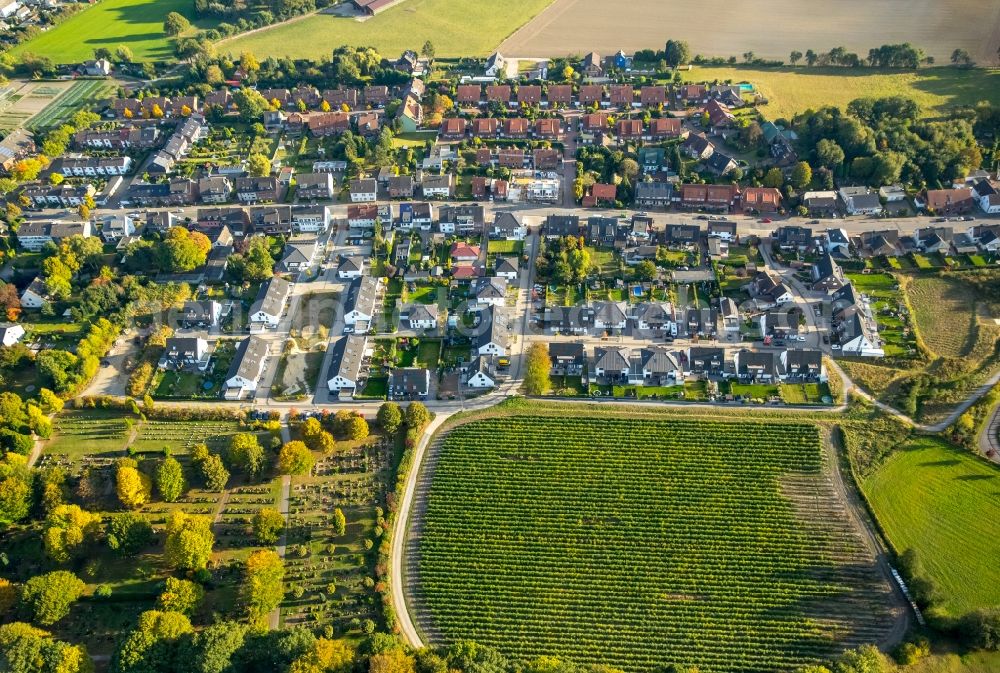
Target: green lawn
point(138, 24)
point(406, 26)
point(942, 502)
point(790, 90)
point(506, 247)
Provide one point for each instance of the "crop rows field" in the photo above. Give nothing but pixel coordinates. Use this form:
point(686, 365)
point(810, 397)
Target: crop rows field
point(638, 543)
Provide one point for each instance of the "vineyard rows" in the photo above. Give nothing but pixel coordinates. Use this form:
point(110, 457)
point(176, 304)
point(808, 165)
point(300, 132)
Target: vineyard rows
point(638, 543)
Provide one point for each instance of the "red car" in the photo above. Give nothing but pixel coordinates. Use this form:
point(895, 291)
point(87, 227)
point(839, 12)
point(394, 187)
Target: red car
point(766, 220)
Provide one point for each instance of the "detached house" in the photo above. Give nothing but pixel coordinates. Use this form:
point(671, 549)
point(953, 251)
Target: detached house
point(347, 373)
point(419, 317)
point(860, 201)
point(364, 190)
point(314, 186)
point(493, 337)
point(269, 306)
point(568, 359)
point(185, 353)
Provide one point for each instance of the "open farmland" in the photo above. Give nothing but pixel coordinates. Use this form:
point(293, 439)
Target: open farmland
point(792, 90)
point(137, 24)
point(945, 312)
point(456, 27)
point(942, 502)
point(579, 26)
point(638, 543)
point(21, 101)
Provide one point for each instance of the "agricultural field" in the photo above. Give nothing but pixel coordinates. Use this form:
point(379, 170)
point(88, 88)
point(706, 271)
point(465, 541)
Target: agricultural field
point(137, 24)
point(636, 542)
point(942, 503)
point(405, 26)
point(83, 93)
point(945, 312)
point(20, 101)
point(579, 26)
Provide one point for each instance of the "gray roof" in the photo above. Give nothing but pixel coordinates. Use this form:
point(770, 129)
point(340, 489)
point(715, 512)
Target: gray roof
point(490, 288)
point(410, 381)
point(249, 360)
point(348, 352)
point(419, 312)
point(271, 297)
point(614, 359)
point(352, 263)
point(506, 265)
point(361, 296)
point(496, 330)
point(658, 360)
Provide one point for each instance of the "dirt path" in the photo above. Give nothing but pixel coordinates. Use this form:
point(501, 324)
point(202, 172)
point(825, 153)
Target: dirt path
point(847, 492)
point(274, 619)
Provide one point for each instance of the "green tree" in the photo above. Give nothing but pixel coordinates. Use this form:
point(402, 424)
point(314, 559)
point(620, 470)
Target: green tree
point(155, 645)
point(214, 473)
point(537, 379)
point(15, 500)
point(795, 57)
point(774, 178)
point(829, 153)
point(356, 428)
point(326, 656)
point(250, 104)
point(246, 454)
point(258, 165)
point(174, 24)
point(295, 458)
point(212, 649)
point(170, 479)
point(49, 597)
point(123, 54)
point(801, 175)
point(189, 540)
point(339, 522)
point(676, 52)
point(389, 417)
point(181, 596)
point(417, 416)
point(645, 270)
point(262, 588)
point(129, 533)
point(25, 649)
point(268, 525)
point(427, 51)
point(67, 528)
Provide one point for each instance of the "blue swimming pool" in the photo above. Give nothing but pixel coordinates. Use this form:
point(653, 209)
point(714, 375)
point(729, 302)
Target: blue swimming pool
point(636, 291)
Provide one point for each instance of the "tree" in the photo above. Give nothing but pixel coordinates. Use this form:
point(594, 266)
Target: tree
point(339, 522)
point(10, 594)
point(155, 645)
point(245, 453)
point(51, 403)
point(214, 473)
point(645, 270)
point(189, 540)
point(268, 525)
point(795, 57)
point(26, 649)
point(170, 479)
point(427, 51)
point(961, 57)
point(417, 416)
point(67, 528)
point(811, 57)
point(394, 660)
point(981, 629)
point(865, 659)
point(132, 486)
point(129, 533)
point(326, 656)
point(49, 597)
point(250, 103)
point(123, 54)
point(356, 428)
point(262, 588)
point(774, 178)
point(829, 153)
point(214, 75)
point(180, 596)
point(174, 24)
point(15, 500)
point(537, 380)
point(213, 648)
point(801, 175)
point(258, 165)
point(295, 458)
point(389, 417)
point(677, 52)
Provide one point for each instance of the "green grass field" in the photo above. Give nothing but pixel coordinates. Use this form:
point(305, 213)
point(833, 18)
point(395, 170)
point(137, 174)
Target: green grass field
point(942, 502)
point(138, 24)
point(792, 90)
point(466, 28)
point(635, 543)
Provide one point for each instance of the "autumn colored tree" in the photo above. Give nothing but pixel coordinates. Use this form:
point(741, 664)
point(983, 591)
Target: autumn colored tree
point(189, 540)
point(537, 380)
point(132, 486)
point(67, 528)
point(389, 417)
point(295, 458)
point(180, 595)
point(267, 525)
point(49, 597)
point(262, 588)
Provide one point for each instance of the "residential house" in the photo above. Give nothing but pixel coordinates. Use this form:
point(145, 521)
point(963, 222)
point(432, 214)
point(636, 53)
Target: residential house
point(351, 267)
point(199, 314)
point(438, 186)
point(628, 131)
point(548, 128)
point(652, 96)
point(827, 274)
point(485, 127)
point(468, 94)
point(256, 190)
point(362, 216)
point(860, 201)
point(515, 128)
point(364, 190)
point(246, 369)
point(464, 252)
point(558, 95)
point(498, 93)
point(719, 198)
point(730, 315)
point(654, 194)
point(529, 94)
point(590, 94)
point(723, 229)
point(297, 257)
point(506, 267)
point(719, 116)
point(11, 334)
point(35, 295)
point(792, 237)
point(360, 307)
point(348, 357)
point(419, 317)
point(464, 220)
point(215, 189)
point(116, 226)
point(757, 366)
point(506, 226)
point(697, 146)
point(544, 159)
point(480, 374)
point(705, 361)
point(453, 128)
point(314, 186)
point(401, 187)
point(418, 215)
point(568, 359)
point(987, 194)
point(767, 291)
point(759, 200)
point(490, 291)
point(656, 366)
point(802, 366)
point(496, 65)
point(267, 309)
point(600, 195)
point(409, 383)
point(185, 353)
point(949, 201)
point(720, 164)
point(656, 319)
point(311, 219)
point(592, 65)
point(663, 128)
point(493, 336)
point(610, 315)
point(611, 364)
point(34, 235)
point(271, 220)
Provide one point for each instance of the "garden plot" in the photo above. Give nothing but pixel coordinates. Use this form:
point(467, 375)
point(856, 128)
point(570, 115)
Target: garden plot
point(20, 101)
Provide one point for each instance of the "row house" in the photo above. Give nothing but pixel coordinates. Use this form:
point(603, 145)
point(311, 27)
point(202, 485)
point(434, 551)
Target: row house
point(314, 186)
point(93, 166)
point(34, 236)
point(256, 189)
point(61, 196)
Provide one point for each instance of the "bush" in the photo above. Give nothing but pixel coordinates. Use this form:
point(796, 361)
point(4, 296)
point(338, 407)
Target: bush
point(981, 629)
